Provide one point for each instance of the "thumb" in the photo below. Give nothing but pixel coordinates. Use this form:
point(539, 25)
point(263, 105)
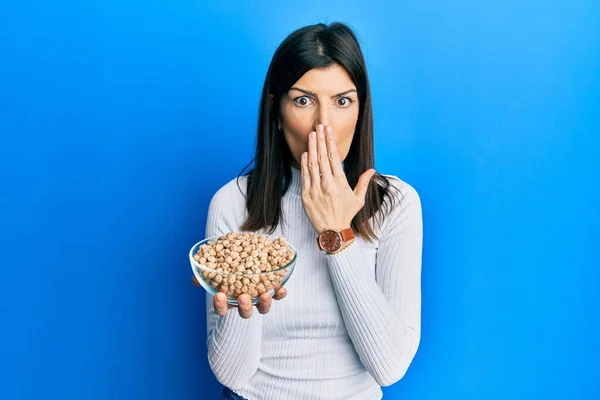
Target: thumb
point(363, 184)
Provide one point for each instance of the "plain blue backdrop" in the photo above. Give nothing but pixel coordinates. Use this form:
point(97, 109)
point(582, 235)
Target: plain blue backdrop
point(120, 119)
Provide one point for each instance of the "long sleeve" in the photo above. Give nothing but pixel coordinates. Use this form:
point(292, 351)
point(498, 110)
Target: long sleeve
point(382, 313)
point(234, 343)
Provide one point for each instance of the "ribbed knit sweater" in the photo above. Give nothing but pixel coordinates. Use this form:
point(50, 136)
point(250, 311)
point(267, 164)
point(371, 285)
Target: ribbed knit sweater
point(350, 322)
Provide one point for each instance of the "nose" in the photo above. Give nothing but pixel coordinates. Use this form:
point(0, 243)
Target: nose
point(322, 117)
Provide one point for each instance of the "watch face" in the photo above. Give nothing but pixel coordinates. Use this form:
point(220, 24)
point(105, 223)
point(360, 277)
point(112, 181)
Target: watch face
point(330, 240)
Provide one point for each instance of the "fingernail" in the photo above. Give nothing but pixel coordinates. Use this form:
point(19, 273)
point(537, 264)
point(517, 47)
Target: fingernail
point(321, 134)
point(243, 301)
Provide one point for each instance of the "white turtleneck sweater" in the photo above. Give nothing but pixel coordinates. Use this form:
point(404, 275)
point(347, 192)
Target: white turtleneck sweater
point(350, 322)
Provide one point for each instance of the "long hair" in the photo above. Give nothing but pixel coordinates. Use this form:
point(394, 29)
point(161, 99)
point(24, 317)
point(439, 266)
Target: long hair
point(314, 46)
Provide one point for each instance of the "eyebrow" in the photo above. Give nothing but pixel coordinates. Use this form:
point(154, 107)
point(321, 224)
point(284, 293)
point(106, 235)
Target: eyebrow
point(308, 92)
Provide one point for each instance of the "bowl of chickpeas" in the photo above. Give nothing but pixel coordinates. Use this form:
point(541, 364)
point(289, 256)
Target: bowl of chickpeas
point(243, 263)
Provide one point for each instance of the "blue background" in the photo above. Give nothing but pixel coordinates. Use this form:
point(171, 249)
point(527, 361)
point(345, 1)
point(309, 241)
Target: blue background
point(120, 119)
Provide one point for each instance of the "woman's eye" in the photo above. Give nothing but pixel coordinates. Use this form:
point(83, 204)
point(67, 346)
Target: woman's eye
point(344, 102)
point(302, 101)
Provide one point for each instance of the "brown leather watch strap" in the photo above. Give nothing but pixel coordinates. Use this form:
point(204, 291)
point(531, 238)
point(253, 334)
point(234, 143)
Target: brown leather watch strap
point(347, 234)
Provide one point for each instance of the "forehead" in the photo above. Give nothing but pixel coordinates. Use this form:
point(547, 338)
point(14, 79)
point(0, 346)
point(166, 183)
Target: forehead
point(326, 81)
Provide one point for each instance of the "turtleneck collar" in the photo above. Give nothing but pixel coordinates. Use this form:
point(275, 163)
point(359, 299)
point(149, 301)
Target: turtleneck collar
point(296, 182)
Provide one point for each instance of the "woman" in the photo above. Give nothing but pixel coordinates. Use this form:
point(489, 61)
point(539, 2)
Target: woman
point(351, 321)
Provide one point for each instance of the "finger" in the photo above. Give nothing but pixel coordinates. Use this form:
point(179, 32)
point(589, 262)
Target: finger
point(245, 306)
point(220, 303)
point(280, 294)
point(313, 164)
point(363, 184)
point(264, 304)
point(333, 154)
point(305, 172)
point(323, 158)
point(195, 281)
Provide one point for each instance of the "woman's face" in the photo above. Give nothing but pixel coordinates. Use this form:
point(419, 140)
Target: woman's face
point(321, 96)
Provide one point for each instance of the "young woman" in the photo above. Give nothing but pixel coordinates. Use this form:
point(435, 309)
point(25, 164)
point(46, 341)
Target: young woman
point(348, 320)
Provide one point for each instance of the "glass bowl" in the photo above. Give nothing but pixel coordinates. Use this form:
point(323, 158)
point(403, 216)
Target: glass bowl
point(212, 279)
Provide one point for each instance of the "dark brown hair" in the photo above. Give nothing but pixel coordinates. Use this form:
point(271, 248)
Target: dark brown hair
point(314, 46)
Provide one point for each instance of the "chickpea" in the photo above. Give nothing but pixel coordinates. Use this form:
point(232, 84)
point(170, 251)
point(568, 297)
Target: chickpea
point(261, 288)
point(241, 259)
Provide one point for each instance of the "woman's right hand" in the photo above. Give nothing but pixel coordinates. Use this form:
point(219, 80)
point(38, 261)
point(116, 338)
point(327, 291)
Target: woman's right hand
point(245, 304)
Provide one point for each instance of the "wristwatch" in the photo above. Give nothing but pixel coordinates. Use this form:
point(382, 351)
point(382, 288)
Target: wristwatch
point(332, 241)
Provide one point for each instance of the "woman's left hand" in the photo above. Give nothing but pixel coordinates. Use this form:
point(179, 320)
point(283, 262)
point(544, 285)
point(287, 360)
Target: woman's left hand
point(328, 199)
